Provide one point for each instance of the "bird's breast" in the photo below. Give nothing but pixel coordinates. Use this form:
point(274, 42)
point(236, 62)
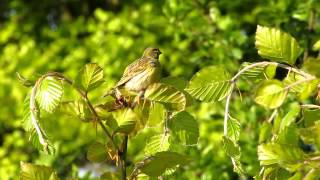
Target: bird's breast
point(144, 79)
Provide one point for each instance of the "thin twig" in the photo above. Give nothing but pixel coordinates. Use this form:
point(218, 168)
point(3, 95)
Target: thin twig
point(226, 111)
point(273, 115)
point(266, 63)
point(34, 115)
point(310, 106)
point(299, 82)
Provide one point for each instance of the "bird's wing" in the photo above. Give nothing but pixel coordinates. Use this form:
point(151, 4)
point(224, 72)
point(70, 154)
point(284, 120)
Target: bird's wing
point(132, 70)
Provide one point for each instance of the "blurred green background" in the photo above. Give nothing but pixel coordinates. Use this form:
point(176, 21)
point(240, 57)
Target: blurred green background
point(63, 35)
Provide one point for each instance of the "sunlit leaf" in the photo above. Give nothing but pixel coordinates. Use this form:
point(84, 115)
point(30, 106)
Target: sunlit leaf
point(316, 46)
point(49, 93)
point(167, 95)
point(231, 148)
point(37, 172)
point(290, 117)
point(156, 165)
point(258, 73)
point(265, 132)
point(126, 120)
point(184, 128)
point(26, 120)
point(233, 128)
point(289, 135)
point(287, 156)
point(310, 116)
point(157, 143)
point(90, 77)
point(179, 84)
point(156, 115)
point(311, 135)
point(276, 45)
point(308, 89)
point(210, 84)
point(312, 66)
point(97, 152)
point(29, 122)
point(233, 151)
point(301, 85)
point(76, 109)
point(270, 94)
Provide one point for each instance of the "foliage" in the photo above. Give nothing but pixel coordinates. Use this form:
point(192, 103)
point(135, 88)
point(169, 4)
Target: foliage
point(195, 37)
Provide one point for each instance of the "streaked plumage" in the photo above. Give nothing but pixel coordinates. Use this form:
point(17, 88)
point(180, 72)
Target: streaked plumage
point(142, 72)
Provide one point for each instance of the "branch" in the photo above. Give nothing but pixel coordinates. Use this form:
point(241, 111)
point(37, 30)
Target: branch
point(263, 64)
point(299, 82)
point(82, 94)
point(34, 115)
point(123, 154)
point(226, 111)
point(310, 106)
point(266, 63)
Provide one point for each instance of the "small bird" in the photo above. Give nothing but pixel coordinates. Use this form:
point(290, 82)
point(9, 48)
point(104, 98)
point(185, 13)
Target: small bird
point(140, 74)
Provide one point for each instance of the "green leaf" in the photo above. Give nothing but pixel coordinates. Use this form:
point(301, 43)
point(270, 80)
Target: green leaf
point(90, 77)
point(142, 112)
point(290, 117)
point(157, 143)
point(77, 109)
point(312, 66)
point(97, 152)
point(49, 93)
point(29, 126)
point(167, 95)
point(276, 45)
point(233, 128)
point(230, 147)
point(184, 128)
point(301, 85)
point(311, 135)
point(308, 89)
point(265, 132)
point(233, 150)
point(310, 116)
point(258, 73)
point(126, 120)
point(286, 156)
point(36, 172)
point(289, 135)
point(26, 120)
point(156, 115)
point(210, 84)
point(270, 94)
point(316, 46)
point(156, 165)
point(179, 84)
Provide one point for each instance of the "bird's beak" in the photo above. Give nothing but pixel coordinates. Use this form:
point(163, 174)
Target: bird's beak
point(160, 52)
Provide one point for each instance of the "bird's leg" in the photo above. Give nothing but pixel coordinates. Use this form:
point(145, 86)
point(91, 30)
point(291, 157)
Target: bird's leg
point(139, 97)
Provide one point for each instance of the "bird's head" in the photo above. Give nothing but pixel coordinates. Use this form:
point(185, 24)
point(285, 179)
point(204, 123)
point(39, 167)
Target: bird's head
point(152, 53)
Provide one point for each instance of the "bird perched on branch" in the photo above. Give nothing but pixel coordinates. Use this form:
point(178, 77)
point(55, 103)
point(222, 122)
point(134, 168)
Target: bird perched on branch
point(140, 74)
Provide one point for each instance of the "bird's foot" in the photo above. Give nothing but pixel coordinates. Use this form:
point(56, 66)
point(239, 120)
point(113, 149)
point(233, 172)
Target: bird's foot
point(137, 99)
